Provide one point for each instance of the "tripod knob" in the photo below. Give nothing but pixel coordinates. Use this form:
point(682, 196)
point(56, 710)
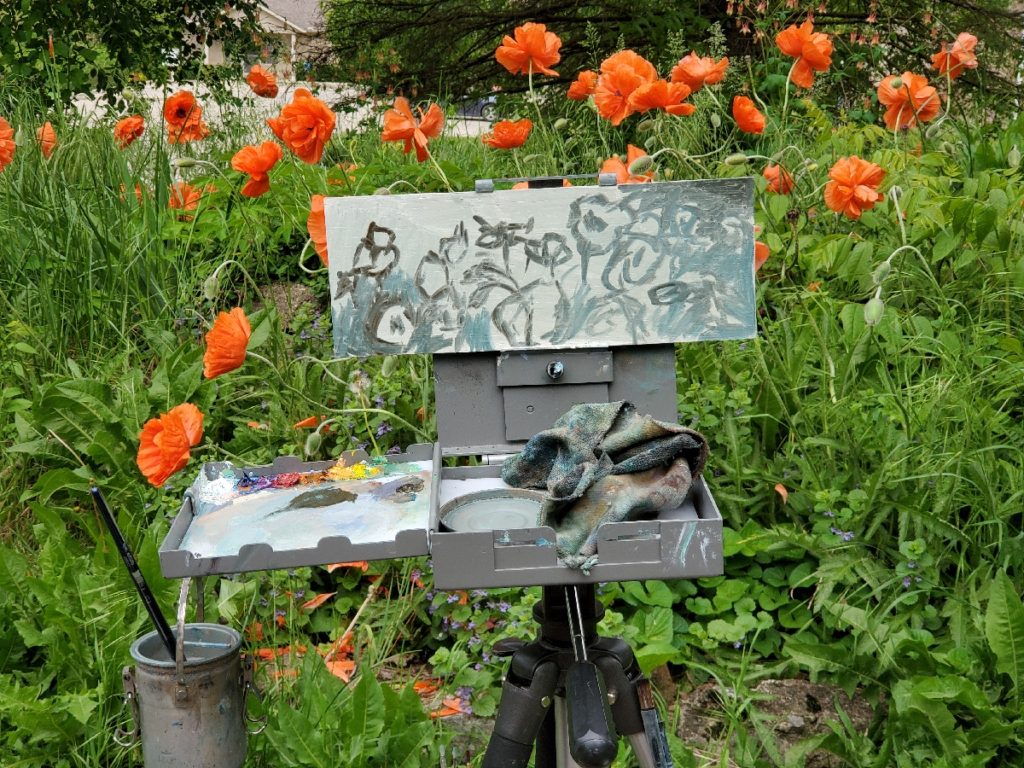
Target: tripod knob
point(592, 739)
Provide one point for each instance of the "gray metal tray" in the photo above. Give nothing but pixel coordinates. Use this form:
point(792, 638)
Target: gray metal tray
point(683, 543)
point(242, 539)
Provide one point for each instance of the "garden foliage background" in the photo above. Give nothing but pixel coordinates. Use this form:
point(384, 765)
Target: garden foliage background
point(866, 446)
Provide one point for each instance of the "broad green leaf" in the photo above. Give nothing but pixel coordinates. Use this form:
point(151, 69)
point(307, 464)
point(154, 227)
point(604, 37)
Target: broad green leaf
point(1004, 627)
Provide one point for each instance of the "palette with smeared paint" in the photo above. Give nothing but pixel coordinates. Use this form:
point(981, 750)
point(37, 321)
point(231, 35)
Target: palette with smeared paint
point(366, 502)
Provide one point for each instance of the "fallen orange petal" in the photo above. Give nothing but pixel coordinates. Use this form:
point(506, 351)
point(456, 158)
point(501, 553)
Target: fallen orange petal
point(317, 601)
point(425, 687)
point(341, 668)
point(781, 490)
point(361, 564)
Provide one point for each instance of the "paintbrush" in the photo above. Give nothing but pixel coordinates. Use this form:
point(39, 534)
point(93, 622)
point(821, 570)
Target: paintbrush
point(162, 627)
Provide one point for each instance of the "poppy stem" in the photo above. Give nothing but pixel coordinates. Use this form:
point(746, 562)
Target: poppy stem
point(785, 97)
point(302, 257)
point(440, 171)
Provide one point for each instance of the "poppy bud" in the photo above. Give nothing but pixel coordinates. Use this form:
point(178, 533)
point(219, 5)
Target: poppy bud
point(641, 165)
point(736, 159)
point(873, 310)
point(881, 272)
point(896, 82)
point(645, 125)
point(560, 124)
point(389, 365)
point(715, 120)
point(211, 287)
point(313, 443)
point(812, 166)
point(933, 130)
point(382, 191)
point(896, 192)
point(650, 143)
point(1013, 157)
point(184, 162)
point(947, 147)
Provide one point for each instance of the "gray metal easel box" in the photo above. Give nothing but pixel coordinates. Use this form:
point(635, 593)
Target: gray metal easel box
point(529, 303)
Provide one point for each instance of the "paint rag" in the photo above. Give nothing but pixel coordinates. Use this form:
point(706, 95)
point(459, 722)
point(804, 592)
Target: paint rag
point(604, 463)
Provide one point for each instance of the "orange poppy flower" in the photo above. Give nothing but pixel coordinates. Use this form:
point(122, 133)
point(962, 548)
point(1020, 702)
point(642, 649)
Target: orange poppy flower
point(698, 71)
point(226, 342)
point(853, 187)
point(128, 129)
point(615, 165)
point(47, 139)
point(621, 74)
point(181, 107)
point(747, 116)
point(400, 125)
point(812, 51)
point(533, 49)
point(257, 162)
point(420, 413)
point(304, 126)
point(165, 441)
point(262, 82)
point(316, 225)
point(507, 134)
point(779, 179)
point(956, 57)
point(583, 85)
point(909, 99)
point(761, 254)
point(184, 196)
point(193, 130)
point(7, 145)
point(184, 118)
point(661, 94)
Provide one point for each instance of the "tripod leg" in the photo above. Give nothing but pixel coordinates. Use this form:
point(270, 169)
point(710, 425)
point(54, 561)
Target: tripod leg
point(521, 713)
point(627, 709)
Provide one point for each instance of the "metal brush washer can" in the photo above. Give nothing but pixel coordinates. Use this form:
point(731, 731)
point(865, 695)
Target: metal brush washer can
point(497, 508)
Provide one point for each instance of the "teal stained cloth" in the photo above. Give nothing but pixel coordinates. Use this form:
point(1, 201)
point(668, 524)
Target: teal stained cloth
point(602, 463)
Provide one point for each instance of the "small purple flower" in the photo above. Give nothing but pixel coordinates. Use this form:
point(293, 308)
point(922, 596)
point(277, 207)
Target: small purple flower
point(383, 428)
point(474, 640)
point(911, 565)
point(378, 401)
point(429, 595)
point(906, 582)
point(738, 644)
point(452, 598)
point(847, 536)
point(829, 513)
point(504, 607)
point(835, 531)
point(470, 624)
point(479, 593)
point(486, 657)
point(478, 667)
point(304, 335)
point(393, 450)
point(299, 594)
point(456, 625)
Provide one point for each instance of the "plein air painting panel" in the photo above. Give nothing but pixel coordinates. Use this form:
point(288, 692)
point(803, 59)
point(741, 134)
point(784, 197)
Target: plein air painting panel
point(366, 511)
point(559, 267)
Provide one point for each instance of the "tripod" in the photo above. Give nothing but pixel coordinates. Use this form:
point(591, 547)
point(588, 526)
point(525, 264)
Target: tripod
point(570, 691)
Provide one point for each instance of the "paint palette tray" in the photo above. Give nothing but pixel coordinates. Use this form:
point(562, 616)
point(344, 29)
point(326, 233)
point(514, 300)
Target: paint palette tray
point(291, 514)
point(685, 542)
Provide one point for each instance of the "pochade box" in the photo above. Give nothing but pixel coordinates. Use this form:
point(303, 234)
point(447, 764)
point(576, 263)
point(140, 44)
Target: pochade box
point(529, 303)
point(505, 399)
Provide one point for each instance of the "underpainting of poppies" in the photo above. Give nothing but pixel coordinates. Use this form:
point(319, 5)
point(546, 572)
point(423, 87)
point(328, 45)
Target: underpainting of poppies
point(562, 267)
